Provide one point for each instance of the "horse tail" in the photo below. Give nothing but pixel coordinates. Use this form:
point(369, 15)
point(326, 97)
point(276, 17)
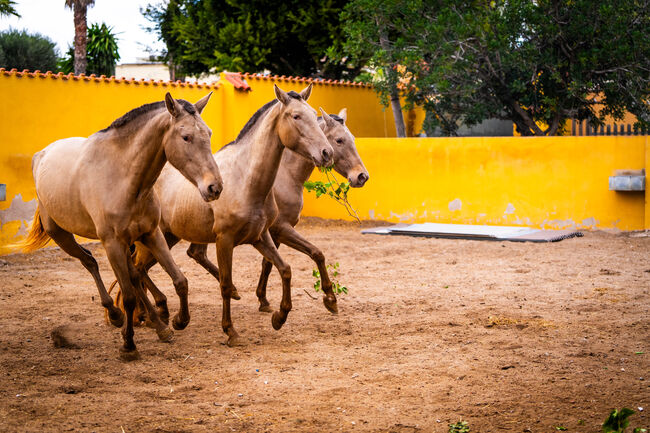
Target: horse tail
point(118, 299)
point(37, 237)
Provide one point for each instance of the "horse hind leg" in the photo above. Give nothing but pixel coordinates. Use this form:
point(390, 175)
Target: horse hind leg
point(67, 242)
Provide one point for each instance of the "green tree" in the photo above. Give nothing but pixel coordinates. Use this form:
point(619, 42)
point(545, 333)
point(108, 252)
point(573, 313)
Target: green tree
point(21, 50)
point(102, 52)
point(80, 9)
point(7, 8)
point(161, 16)
point(534, 63)
point(290, 38)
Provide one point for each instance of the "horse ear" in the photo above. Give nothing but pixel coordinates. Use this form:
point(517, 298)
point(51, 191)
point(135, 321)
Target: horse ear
point(306, 93)
point(200, 105)
point(326, 117)
point(170, 104)
point(343, 114)
point(281, 95)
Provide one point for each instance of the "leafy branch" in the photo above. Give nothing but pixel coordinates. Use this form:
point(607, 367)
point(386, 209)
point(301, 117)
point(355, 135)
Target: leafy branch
point(334, 189)
point(336, 286)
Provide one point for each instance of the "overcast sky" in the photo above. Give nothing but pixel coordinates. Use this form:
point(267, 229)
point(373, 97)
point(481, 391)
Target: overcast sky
point(52, 19)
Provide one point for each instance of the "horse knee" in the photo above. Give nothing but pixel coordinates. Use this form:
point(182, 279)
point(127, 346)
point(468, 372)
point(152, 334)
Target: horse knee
point(181, 285)
point(285, 272)
point(318, 256)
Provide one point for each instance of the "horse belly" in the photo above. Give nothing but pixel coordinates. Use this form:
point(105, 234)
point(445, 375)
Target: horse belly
point(184, 213)
point(57, 190)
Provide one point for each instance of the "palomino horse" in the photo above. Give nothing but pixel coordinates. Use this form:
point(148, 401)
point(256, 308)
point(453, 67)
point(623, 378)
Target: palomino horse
point(101, 187)
point(294, 171)
point(246, 209)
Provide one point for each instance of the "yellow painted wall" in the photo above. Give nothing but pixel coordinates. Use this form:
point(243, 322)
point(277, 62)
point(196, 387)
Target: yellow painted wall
point(38, 109)
point(552, 182)
point(540, 182)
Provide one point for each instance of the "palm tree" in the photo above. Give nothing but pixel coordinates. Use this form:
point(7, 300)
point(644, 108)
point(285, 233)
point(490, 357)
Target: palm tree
point(79, 8)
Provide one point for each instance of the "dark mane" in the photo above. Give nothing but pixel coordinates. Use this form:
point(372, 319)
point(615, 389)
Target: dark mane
point(256, 117)
point(146, 108)
point(335, 117)
point(253, 120)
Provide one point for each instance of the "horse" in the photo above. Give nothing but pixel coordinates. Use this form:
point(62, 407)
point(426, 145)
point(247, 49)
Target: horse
point(101, 187)
point(247, 208)
point(294, 171)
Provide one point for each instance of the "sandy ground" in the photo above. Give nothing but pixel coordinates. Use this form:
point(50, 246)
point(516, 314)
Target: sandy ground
point(506, 336)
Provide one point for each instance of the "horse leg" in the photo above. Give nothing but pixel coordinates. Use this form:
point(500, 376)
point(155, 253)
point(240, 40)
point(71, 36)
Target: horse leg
point(263, 281)
point(225, 245)
point(199, 253)
point(164, 333)
point(144, 261)
point(287, 235)
point(157, 245)
point(67, 242)
point(266, 247)
point(119, 257)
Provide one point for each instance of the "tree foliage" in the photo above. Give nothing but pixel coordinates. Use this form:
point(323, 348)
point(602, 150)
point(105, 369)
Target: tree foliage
point(7, 8)
point(101, 52)
point(22, 50)
point(290, 38)
point(537, 63)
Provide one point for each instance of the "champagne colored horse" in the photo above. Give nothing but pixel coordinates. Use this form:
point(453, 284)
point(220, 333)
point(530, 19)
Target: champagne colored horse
point(101, 187)
point(246, 209)
point(294, 171)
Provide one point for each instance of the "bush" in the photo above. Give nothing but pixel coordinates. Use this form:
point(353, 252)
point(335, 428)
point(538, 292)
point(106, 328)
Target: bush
point(102, 53)
point(21, 50)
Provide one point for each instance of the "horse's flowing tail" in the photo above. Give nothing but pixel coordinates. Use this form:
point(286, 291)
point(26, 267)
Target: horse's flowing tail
point(37, 238)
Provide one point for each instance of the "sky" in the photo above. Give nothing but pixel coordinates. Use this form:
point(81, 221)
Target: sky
point(52, 19)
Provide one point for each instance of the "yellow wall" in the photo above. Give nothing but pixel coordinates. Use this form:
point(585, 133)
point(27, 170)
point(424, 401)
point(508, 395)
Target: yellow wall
point(38, 109)
point(552, 182)
point(540, 182)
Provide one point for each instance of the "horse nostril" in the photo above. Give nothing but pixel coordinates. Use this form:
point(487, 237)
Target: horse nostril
point(363, 178)
point(214, 189)
point(327, 154)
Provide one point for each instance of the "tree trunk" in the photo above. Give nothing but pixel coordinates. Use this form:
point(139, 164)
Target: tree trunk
point(395, 103)
point(80, 38)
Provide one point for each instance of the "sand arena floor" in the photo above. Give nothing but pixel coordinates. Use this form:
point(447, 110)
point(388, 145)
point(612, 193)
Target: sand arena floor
point(506, 336)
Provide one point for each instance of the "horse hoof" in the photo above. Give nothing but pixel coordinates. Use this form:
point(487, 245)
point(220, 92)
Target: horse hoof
point(129, 355)
point(277, 320)
point(178, 324)
point(116, 317)
point(266, 309)
point(331, 305)
point(235, 295)
point(165, 335)
point(234, 341)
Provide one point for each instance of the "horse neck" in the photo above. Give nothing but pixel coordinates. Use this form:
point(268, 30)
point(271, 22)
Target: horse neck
point(264, 155)
point(145, 154)
point(297, 167)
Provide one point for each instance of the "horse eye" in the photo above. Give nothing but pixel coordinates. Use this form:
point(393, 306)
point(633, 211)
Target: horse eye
point(339, 140)
point(296, 116)
point(186, 138)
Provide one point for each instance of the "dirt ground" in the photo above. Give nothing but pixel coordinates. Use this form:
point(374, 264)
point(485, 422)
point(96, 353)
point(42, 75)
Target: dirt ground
point(515, 337)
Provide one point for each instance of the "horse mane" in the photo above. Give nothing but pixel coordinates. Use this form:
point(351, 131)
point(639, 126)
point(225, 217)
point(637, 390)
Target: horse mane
point(146, 108)
point(335, 117)
point(258, 114)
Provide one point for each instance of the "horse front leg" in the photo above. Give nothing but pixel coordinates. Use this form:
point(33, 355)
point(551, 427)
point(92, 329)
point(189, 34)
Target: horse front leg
point(118, 255)
point(156, 244)
point(288, 235)
point(266, 247)
point(199, 253)
point(225, 245)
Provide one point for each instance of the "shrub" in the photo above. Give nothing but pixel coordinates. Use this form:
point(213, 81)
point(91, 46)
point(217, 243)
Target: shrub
point(21, 50)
